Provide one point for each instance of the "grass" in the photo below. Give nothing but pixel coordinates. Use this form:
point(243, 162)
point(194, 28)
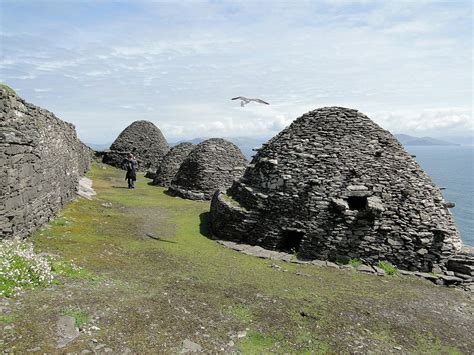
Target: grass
point(7, 88)
point(68, 269)
point(355, 263)
point(347, 261)
point(257, 343)
point(60, 221)
point(388, 268)
point(151, 294)
point(80, 317)
point(22, 268)
point(241, 313)
point(7, 318)
point(428, 344)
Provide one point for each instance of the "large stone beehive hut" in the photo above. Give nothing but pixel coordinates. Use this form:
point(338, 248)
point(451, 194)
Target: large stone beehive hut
point(171, 162)
point(336, 185)
point(41, 162)
point(211, 165)
point(144, 140)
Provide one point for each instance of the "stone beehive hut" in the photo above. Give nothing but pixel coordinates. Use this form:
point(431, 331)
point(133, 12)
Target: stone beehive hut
point(336, 185)
point(211, 165)
point(41, 161)
point(144, 140)
point(170, 164)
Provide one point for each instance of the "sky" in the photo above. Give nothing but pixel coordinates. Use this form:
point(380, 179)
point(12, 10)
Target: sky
point(103, 64)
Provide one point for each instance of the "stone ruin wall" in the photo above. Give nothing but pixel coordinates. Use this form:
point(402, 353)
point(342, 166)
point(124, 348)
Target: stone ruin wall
point(170, 164)
point(299, 185)
point(41, 161)
point(144, 140)
point(212, 165)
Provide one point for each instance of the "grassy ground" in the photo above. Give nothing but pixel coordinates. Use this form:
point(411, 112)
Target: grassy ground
point(144, 294)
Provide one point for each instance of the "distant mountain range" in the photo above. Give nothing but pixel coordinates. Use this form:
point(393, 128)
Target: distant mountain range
point(405, 139)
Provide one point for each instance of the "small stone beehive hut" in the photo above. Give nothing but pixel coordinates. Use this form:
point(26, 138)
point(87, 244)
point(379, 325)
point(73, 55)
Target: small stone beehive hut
point(336, 185)
point(171, 162)
point(144, 140)
point(211, 165)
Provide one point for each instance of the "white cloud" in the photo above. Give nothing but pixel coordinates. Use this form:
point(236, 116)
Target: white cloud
point(98, 73)
point(439, 121)
point(178, 64)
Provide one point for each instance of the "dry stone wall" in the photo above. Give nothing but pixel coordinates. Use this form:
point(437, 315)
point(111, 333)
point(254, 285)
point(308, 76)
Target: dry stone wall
point(171, 162)
point(211, 165)
point(41, 161)
point(336, 185)
point(144, 140)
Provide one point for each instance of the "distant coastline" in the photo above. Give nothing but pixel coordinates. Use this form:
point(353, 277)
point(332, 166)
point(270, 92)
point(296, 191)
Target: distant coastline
point(406, 139)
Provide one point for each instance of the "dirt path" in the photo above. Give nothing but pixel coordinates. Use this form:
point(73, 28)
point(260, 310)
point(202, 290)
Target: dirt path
point(156, 283)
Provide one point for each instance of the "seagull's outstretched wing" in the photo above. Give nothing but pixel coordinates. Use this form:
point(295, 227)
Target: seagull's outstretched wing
point(260, 101)
point(239, 98)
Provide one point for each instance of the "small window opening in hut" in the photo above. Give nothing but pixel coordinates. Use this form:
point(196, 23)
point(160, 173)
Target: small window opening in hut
point(357, 202)
point(291, 240)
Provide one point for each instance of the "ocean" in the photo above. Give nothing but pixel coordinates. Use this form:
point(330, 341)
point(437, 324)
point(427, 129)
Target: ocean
point(452, 167)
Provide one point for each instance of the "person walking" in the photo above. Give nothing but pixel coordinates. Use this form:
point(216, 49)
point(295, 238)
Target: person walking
point(131, 166)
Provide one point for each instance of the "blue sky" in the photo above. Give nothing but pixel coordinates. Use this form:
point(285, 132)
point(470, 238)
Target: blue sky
point(104, 64)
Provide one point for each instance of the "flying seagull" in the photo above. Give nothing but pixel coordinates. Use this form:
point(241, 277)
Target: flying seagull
point(244, 101)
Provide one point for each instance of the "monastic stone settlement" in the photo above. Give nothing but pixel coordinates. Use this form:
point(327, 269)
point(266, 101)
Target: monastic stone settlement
point(144, 140)
point(211, 165)
point(41, 161)
point(171, 162)
point(336, 185)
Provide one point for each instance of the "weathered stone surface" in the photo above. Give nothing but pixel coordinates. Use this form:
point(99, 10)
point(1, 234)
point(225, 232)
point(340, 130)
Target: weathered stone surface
point(212, 165)
point(336, 185)
point(85, 189)
point(170, 164)
point(462, 262)
point(67, 330)
point(189, 346)
point(41, 161)
point(365, 268)
point(144, 140)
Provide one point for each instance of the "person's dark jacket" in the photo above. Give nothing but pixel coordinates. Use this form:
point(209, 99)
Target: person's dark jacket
point(131, 166)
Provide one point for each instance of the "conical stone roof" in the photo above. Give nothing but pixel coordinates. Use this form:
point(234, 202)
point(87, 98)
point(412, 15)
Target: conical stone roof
point(336, 185)
point(171, 162)
point(211, 165)
point(144, 140)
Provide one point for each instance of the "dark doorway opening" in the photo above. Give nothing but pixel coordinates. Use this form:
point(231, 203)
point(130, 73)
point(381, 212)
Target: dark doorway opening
point(291, 240)
point(357, 202)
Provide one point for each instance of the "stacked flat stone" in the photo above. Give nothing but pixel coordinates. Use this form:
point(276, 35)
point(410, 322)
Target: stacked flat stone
point(41, 161)
point(336, 185)
point(144, 140)
point(170, 164)
point(462, 264)
point(212, 165)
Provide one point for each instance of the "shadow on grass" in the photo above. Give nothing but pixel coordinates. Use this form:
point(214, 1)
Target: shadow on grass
point(167, 192)
point(165, 240)
point(119, 187)
point(158, 239)
point(204, 225)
